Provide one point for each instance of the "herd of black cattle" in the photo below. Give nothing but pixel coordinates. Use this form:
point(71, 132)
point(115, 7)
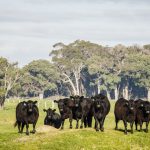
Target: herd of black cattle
point(84, 109)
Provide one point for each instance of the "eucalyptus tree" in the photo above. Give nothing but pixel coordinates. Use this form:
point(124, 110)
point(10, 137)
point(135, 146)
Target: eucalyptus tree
point(138, 67)
point(9, 76)
point(70, 61)
point(40, 76)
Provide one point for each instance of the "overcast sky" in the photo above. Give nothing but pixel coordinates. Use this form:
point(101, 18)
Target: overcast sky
point(29, 28)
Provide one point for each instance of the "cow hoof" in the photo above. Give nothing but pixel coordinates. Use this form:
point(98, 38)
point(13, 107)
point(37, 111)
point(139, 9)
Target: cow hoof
point(61, 128)
point(81, 127)
point(33, 132)
point(102, 130)
point(125, 133)
point(71, 127)
point(146, 131)
point(76, 127)
point(116, 128)
point(27, 133)
point(97, 130)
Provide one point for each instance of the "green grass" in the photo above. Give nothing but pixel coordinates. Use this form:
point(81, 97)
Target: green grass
point(68, 139)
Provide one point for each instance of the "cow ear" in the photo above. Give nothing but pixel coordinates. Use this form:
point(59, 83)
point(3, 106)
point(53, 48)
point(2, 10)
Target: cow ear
point(34, 102)
point(44, 110)
point(54, 110)
point(55, 101)
point(126, 103)
point(25, 104)
point(81, 97)
point(72, 97)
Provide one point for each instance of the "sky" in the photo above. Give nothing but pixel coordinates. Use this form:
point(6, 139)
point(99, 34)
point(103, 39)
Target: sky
point(29, 28)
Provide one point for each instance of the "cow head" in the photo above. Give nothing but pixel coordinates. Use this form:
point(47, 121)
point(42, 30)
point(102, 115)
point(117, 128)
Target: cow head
point(76, 100)
point(49, 113)
point(130, 104)
point(147, 107)
point(30, 105)
point(61, 105)
point(97, 102)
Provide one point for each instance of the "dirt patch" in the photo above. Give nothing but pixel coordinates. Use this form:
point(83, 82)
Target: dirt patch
point(41, 132)
point(44, 128)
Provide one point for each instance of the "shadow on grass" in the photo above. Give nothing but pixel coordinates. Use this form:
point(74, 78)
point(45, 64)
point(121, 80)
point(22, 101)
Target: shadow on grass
point(122, 130)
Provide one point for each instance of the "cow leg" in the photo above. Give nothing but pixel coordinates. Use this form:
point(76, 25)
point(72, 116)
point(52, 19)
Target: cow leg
point(96, 124)
point(82, 120)
point(85, 122)
point(22, 126)
point(19, 125)
point(131, 125)
point(101, 125)
point(116, 128)
point(70, 120)
point(34, 124)
point(141, 123)
point(27, 129)
point(136, 125)
point(125, 126)
point(89, 120)
point(147, 126)
point(77, 125)
point(62, 124)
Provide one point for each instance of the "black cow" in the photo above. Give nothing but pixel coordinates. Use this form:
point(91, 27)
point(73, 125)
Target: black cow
point(26, 113)
point(82, 110)
point(125, 110)
point(101, 107)
point(65, 108)
point(142, 113)
point(52, 118)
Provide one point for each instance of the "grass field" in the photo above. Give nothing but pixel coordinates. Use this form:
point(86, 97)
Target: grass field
point(68, 139)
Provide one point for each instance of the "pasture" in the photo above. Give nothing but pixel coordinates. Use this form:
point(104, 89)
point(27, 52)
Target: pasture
point(67, 139)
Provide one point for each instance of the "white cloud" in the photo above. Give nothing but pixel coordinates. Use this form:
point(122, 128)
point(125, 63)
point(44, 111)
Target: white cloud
point(28, 28)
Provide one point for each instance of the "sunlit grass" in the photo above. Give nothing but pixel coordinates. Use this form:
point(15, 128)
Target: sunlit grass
point(68, 139)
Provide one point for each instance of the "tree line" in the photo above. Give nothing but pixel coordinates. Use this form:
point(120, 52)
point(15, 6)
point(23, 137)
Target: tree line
point(80, 68)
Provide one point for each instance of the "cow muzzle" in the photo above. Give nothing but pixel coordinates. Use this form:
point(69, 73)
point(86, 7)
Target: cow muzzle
point(76, 105)
point(131, 108)
point(61, 110)
point(49, 117)
point(148, 112)
point(98, 106)
point(30, 110)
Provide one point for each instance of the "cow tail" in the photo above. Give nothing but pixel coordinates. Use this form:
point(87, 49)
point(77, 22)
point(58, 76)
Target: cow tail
point(15, 124)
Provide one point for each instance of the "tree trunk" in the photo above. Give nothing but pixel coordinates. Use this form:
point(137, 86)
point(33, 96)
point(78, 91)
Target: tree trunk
point(108, 94)
point(116, 93)
point(1, 107)
point(98, 87)
point(71, 83)
point(148, 94)
point(77, 83)
point(126, 92)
